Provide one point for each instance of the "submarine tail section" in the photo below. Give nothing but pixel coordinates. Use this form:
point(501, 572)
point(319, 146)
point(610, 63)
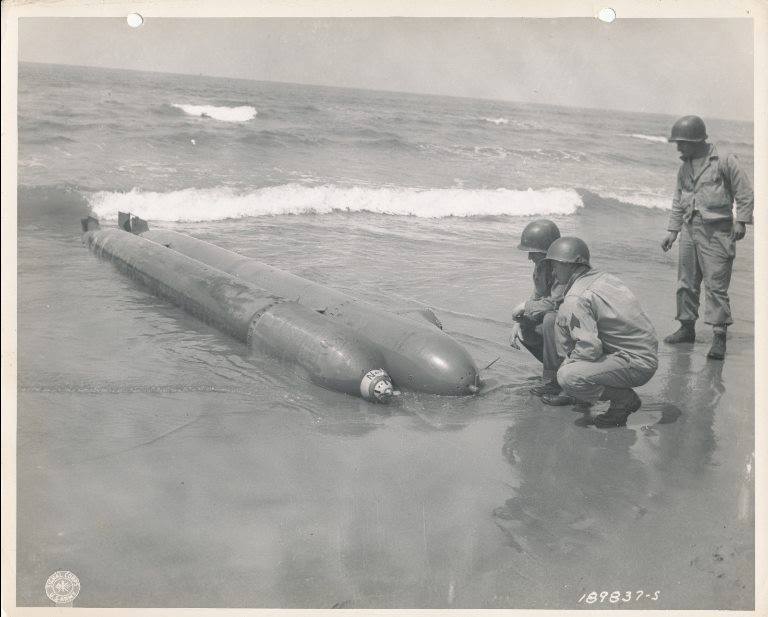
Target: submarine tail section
point(418, 355)
point(211, 295)
point(332, 355)
point(277, 281)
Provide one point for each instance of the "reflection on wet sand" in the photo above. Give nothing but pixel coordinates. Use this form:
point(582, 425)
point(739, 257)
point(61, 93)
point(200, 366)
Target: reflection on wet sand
point(682, 455)
point(574, 485)
point(638, 507)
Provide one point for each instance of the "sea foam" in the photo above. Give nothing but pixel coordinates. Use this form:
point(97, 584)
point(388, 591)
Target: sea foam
point(189, 205)
point(655, 138)
point(641, 198)
point(225, 114)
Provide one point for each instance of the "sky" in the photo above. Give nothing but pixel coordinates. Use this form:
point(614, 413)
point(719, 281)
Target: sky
point(669, 66)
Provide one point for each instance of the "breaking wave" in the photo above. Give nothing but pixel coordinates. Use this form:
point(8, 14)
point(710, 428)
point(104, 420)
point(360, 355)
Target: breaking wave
point(654, 138)
point(645, 199)
point(191, 205)
point(243, 113)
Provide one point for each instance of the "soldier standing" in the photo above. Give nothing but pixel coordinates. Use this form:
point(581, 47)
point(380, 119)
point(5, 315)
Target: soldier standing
point(702, 214)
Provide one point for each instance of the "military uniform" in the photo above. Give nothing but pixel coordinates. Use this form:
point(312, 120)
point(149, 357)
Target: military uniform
point(702, 212)
point(606, 338)
point(537, 324)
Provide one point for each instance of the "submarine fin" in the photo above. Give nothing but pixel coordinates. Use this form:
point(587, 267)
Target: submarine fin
point(138, 225)
point(133, 224)
point(124, 221)
point(90, 223)
point(426, 313)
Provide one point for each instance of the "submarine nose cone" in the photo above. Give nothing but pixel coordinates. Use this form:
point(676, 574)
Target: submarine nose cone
point(431, 361)
point(451, 369)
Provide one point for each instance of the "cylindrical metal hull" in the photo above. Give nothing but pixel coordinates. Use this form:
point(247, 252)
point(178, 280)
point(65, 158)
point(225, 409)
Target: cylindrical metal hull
point(209, 294)
point(334, 357)
point(418, 356)
point(331, 354)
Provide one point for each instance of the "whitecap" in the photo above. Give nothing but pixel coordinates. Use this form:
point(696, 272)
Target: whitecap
point(497, 121)
point(654, 138)
point(220, 203)
point(242, 113)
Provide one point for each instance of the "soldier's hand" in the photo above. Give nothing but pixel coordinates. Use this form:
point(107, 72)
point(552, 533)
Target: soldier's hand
point(668, 241)
point(739, 231)
point(515, 336)
point(518, 311)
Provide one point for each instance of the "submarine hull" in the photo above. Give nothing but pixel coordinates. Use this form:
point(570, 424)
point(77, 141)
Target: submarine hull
point(418, 355)
point(331, 354)
point(334, 357)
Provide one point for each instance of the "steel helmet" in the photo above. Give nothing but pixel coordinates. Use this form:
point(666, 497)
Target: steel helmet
point(688, 128)
point(538, 235)
point(569, 250)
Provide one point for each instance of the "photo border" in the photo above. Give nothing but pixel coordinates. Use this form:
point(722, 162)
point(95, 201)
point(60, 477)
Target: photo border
point(12, 11)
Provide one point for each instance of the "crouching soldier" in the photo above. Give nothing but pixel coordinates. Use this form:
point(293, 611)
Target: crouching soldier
point(608, 343)
point(534, 319)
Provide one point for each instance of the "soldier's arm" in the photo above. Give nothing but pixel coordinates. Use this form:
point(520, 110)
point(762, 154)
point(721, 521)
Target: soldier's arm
point(578, 317)
point(741, 187)
point(563, 341)
point(676, 215)
point(535, 309)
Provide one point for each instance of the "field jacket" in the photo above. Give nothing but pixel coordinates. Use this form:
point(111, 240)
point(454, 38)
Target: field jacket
point(600, 316)
point(712, 191)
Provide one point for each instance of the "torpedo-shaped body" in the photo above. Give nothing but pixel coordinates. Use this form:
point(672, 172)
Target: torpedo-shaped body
point(418, 356)
point(329, 353)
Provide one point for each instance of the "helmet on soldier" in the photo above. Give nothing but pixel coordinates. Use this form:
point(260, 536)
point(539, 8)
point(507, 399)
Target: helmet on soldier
point(569, 250)
point(688, 128)
point(538, 235)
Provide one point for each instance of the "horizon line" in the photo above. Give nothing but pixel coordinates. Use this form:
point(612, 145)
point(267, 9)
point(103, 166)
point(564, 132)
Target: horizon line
point(454, 96)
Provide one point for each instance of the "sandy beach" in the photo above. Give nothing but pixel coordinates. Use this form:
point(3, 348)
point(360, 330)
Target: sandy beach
point(179, 456)
point(167, 465)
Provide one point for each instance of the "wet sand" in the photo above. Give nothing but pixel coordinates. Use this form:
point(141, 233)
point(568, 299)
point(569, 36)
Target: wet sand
point(153, 466)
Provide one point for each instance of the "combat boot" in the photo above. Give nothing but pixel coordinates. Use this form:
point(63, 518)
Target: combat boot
point(558, 399)
point(546, 387)
point(624, 401)
point(561, 399)
point(685, 334)
point(717, 351)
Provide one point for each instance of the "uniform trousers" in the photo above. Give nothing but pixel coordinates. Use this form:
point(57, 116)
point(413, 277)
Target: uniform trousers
point(539, 339)
point(706, 254)
point(586, 380)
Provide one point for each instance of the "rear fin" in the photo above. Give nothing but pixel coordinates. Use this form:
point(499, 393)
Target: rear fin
point(133, 224)
point(138, 226)
point(124, 220)
point(89, 223)
point(426, 313)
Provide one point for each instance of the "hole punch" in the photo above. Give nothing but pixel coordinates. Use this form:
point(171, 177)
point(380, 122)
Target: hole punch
point(134, 20)
point(606, 14)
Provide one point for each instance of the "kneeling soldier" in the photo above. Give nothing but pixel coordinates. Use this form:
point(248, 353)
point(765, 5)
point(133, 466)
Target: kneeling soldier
point(534, 319)
point(608, 342)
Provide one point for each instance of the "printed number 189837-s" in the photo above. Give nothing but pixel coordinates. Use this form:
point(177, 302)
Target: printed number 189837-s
point(614, 597)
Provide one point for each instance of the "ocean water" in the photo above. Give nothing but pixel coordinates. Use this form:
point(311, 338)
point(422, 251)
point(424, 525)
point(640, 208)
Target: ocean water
point(155, 452)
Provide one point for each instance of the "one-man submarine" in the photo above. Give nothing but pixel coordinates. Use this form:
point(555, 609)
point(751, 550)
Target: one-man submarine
point(338, 341)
